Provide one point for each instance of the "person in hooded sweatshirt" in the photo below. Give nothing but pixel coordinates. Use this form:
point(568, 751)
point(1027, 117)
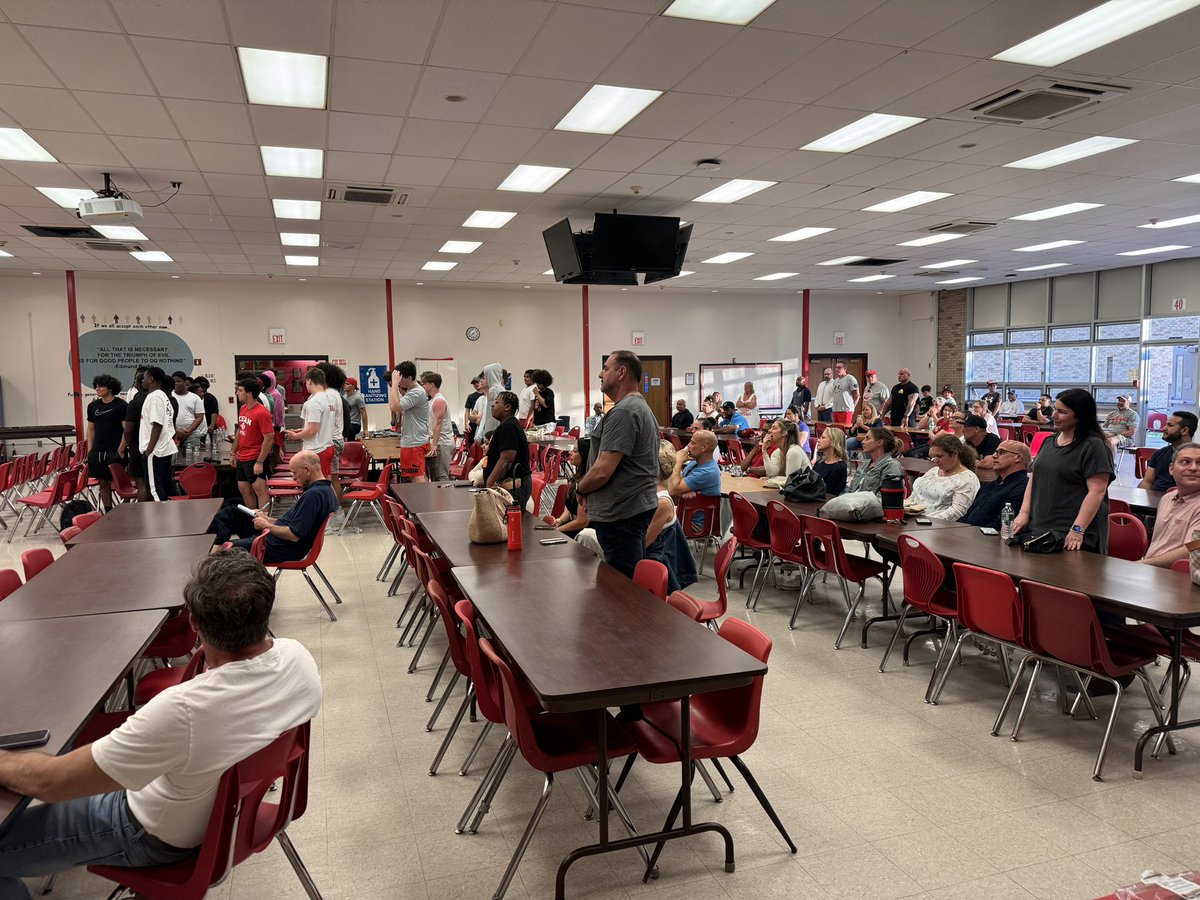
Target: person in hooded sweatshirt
point(495, 375)
point(277, 404)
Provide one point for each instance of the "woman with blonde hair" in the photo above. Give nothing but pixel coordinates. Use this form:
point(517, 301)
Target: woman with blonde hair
point(830, 462)
point(948, 489)
point(748, 402)
point(665, 540)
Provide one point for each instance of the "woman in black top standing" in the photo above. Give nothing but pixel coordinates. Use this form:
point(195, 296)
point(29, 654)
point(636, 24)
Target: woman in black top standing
point(543, 398)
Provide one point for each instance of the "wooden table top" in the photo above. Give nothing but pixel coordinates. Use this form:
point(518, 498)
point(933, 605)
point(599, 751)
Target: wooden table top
point(75, 661)
point(433, 496)
point(1147, 593)
point(448, 531)
point(139, 521)
point(383, 447)
point(744, 484)
point(28, 432)
point(109, 577)
point(586, 637)
point(1139, 500)
point(562, 442)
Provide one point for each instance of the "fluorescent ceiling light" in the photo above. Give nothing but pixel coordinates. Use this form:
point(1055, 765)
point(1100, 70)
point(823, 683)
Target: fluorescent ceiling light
point(908, 201)
point(301, 260)
point(841, 261)
point(1069, 153)
point(297, 209)
point(931, 239)
point(1064, 210)
point(871, 278)
point(121, 232)
point(437, 266)
point(605, 109)
point(961, 280)
point(460, 246)
point(801, 234)
point(1044, 266)
point(729, 12)
point(150, 256)
point(1149, 250)
point(1186, 179)
point(1053, 245)
point(866, 130)
point(299, 239)
point(276, 78)
point(548, 272)
point(683, 272)
point(722, 258)
point(1164, 223)
point(68, 198)
point(533, 179)
point(488, 218)
point(777, 276)
point(3, 253)
point(735, 190)
point(1098, 26)
point(950, 263)
point(16, 144)
point(293, 162)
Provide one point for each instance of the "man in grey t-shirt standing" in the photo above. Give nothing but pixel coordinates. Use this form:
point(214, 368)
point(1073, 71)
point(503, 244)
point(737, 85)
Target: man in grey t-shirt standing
point(408, 400)
point(619, 487)
point(844, 393)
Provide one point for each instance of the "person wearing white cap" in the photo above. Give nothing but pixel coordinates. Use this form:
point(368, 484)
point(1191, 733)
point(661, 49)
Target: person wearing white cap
point(1121, 424)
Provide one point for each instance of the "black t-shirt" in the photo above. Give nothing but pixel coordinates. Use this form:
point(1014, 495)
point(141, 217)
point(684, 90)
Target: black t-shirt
point(682, 419)
point(545, 415)
point(470, 408)
point(508, 435)
point(109, 422)
point(1160, 462)
point(800, 397)
point(988, 446)
point(992, 399)
point(212, 409)
point(924, 404)
point(133, 413)
point(1038, 414)
point(901, 393)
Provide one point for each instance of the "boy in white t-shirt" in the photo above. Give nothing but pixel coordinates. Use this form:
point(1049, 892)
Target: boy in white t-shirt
point(317, 413)
point(156, 433)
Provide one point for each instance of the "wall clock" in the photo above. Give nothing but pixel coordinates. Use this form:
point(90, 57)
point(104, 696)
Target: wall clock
point(472, 333)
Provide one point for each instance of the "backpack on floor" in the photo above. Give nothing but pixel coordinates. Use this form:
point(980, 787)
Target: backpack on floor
point(71, 510)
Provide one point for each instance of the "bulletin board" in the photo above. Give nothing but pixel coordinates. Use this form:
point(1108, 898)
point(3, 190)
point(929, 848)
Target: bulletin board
point(728, 378)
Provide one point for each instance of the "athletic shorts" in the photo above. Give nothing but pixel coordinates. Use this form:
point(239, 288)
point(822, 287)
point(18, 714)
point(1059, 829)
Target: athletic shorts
point(98, 462)
point(412, 461)
point(327, 457)
point(843, 418)
point(137, 465)
point(245, 471)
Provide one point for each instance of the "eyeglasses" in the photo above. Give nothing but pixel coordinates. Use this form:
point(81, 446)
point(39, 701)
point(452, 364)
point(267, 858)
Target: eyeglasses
point(1000, 450)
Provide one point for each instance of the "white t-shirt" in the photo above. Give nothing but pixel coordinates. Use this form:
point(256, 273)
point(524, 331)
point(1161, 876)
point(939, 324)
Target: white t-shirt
point(157, 410)
point(190, 406)
point(317, 409)
point(335, 404)
point(526, 402)
point(170, 755)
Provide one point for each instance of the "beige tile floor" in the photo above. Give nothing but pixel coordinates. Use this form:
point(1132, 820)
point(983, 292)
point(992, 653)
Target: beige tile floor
point(885, 796)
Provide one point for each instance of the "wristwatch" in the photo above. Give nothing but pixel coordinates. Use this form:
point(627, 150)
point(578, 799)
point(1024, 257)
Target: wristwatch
point(1076, 529)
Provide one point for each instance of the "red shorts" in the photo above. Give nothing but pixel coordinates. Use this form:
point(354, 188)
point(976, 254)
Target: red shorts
point(843, 418)
point(326, 458)
point(412, 461)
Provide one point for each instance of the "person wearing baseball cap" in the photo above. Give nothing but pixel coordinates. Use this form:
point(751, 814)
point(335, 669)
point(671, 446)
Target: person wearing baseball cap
point(1120, 425)
point(356, 424)
point(975, 433)
point(948, 395)
point(877, 393)
point(1011, 465)
point(992, 397)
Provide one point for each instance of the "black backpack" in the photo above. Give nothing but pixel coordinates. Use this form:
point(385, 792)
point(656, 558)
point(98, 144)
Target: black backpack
point(804, 486)
point(71, 510)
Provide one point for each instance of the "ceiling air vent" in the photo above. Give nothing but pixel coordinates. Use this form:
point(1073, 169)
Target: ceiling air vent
point(1041, 100)
point(969, 226)
point(875, 262)
point(103, 246)
point(78, 232)
point(375, 195)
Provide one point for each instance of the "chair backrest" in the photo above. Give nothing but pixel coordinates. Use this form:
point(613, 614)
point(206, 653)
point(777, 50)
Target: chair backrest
point(823, 541)
point(560, 500)
point(1035, 443)
point(10, 580)
point(1126, 536)
point(66, 484)
point(686, 604)
point(539, 485)
point(516, 714)
point(458, 652)
point(1141, 456)
point(653, 576)
point(69, 534)
point(393, 514)
point(787, 533)
point(1063, 624)
point(745, 518)
point(737, 709)
point(1005, 432)
point(721, 564)
point(353, 461)
point(1156, 421)
point(1118, 506)
point(123, 483)
point(552, 464)
point(700, 516)
point(574, 432)
point(1028, 431)
point(675, 440)
point(905, 440)
point(1180, 565)
point(385, 479)
point(735, 452)
point(33, 561)
point(489, 694)
point(198, 480)
point(988, 603)
point(924, 573)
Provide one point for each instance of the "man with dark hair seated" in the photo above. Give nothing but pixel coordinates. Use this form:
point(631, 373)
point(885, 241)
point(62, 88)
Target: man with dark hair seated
point(142, 794)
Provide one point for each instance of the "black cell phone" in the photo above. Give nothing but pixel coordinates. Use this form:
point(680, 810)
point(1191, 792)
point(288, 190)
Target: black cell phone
point(464, 484)
point(921, 520)
point(23, 739)
point(543, 527)
point(548, 541)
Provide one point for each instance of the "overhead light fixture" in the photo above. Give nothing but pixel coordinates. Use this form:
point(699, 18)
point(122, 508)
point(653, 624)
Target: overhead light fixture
point(1044, 266)
point(1052, 245)
point(488, 218)
point(683, 272)
point(460, 246)
point(722, 258)
point(931, 239)
point(728, 12)
point(907, 201)
point(279, 78)
point(606, 109)
point(1189, 179)
point(299, 239)
point(866, 130)
point(175, 276)
point(961, 280)
point(777, 276)
point(735, 190)
point(950, 263)
point(532, 179)
point(1163, 223)
point(297, 209)
point(16, 144)
point(801, 234)
point(1069, 153)
point(150, 256)
point(548, 272)
point(438, 266)
point(1152, 250)
point(9, 255)
point(293, 162)
point(121, 232)
point(1065, 210)
point(301, 260)
point(841, 261)
point(68, 198)
point(1095, 28)
point(870, 278)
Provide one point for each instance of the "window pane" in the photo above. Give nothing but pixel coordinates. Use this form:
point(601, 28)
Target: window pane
point(1070, 335)
point(1026, 365)
point(988, 339)
point(1173, 328)
point(1116, 363)
point(985, 364)
point(1027, 336)
point(1027, 395)
point(1120, 331)
point(1108, 396)
point(1072, 365)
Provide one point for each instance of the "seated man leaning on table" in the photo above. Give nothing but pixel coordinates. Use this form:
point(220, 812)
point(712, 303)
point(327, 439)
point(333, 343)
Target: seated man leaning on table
point(1178, 511)
point(142, 794)
point(1010, 462)
point(696, 471)
point(731, 421)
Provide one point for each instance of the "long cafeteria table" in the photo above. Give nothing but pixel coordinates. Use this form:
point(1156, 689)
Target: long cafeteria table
point(55, 673)
point(1159, 597)
point(433, 496)
point(448, 531)
point(140, 521)
point(587, 638)
point(1141, 502)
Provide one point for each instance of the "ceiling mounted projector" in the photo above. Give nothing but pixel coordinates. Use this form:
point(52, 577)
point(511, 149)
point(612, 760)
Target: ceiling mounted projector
point(109, 210)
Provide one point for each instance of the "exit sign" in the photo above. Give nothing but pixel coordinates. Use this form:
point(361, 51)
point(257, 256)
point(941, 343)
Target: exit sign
point(278, 335)
point(639, 338)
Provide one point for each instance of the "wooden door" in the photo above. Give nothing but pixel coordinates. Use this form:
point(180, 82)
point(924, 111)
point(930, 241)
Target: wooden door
point(656, 387)
point(856, 365)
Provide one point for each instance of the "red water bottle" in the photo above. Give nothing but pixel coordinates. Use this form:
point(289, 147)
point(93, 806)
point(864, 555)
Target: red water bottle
point(514, 528)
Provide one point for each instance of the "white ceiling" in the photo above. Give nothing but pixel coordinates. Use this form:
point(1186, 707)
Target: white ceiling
point(150, 90)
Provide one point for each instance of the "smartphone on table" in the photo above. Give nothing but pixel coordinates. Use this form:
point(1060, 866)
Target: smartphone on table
point(23, 740)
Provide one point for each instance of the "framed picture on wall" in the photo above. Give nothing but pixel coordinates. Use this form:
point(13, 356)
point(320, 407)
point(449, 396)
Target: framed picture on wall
point(689, 378)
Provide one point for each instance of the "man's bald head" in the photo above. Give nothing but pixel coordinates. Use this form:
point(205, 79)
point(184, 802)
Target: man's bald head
point(1012, 456)
point(702, 445)
point(306, 467)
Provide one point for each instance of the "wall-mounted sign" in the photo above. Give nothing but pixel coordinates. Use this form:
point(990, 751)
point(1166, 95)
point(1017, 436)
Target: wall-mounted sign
point(119, 352)
point(277, 335)
point(338, 361)
point(655, 382)
point(1179, 304)
point(372, 381)
point(839, 338)
point(638, 339)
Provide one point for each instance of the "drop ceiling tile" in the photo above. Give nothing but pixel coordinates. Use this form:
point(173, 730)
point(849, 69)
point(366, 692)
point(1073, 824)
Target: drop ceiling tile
point(370, 86)
point(814, 16)
point(676, 114)
point(905, 23)
point(85, 14)
point(1123, 117)
point(240, 206)
point(1168, 38)
point(533, 102)
point(831, 65)
point(296, 188)
point(622, 152)
point(362, 133)
point(486, 35)
point(81, 149)
point(881, 87)
point(477, 175)
point(740, 118)
point(226, 159)
point(564, 148)
point(129, 116)
point(999, 25)
point(356, 168)
point(305, 28)
point(666, 51)
point(500, 143)
point(53, 110)
point(191, 69)
point(969, 85)
point(155, 153)
point(197, 20)
point(478, 89)
point(19, 64)
point(88, 60)
point(199, 120)
point(278, 126)
point(417, 170)
point(398, 30)
point(558, 52)
point(753, 56)
point(428, 137)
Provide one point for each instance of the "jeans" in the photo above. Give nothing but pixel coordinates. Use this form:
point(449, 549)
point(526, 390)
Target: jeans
point(59, 836)
point(624, 541)
point(825, 415)
point(160, 476)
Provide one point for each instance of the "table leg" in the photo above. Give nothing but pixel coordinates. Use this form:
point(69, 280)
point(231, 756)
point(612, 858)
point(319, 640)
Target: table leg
point(1175, 637)
point(889, 572)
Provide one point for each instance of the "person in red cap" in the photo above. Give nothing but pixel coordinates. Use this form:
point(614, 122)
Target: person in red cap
point(874, 391)
point(357, 423)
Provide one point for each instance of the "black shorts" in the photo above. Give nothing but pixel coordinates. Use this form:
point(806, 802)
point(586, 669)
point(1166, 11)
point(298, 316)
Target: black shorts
point(137, 465)
point(245, 471)
point(98, 462)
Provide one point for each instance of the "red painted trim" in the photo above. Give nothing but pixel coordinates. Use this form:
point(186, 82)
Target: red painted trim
point(76, 388)
point(804, 333)
point(587, 380)
point(391, 360)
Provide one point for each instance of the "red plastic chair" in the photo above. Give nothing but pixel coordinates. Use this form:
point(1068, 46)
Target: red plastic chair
point(242, 823)
point(653, 576)
point(457, 655)
point(370, 496)
point(905, 440)
point(734, 451)
point(787, 545)
point(1156, 421)
point(675, 441)
point(123, 485)
point(10, 580)
point(258, 550)
point(1028, 432)
point(393, 513)
point(560, 500)
point(1141, 457)
point(539, 486)
point(156, 681)
point(700, 518)
point(686, 604)
point(65, 485)
point(1118, 506)
point(197, 481)
point(712, 610)
point(1038, 439)
point(1127, 537)
point(354, 461)
point(924, 575)
point(823, 541)
point(745, 523)
point(78, 525)
point(33, 561)
point(1005, 432)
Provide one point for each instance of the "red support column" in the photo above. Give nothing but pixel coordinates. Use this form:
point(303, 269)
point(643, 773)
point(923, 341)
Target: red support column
point(391, 360)
point(804, 333)
point(76, 389)
point(587, 378)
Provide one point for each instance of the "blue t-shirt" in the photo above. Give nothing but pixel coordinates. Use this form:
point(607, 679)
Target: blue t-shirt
point(304, 519)
point(736, 419)
point(703, 478)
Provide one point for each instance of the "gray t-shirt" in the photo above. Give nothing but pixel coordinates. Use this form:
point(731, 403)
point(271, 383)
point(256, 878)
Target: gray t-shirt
point(628, 428)
point(878, 392)
point(414, 427)
point(357, 404)
point(841, 393)
point(1060, 477)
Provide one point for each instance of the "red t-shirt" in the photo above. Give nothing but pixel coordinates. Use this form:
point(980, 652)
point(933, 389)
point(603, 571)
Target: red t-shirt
point(253, 427)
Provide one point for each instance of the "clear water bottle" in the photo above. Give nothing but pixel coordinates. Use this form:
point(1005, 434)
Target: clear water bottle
point(1006, 522)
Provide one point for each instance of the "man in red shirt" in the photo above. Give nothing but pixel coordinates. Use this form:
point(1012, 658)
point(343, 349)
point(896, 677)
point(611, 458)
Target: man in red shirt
point(252, 444)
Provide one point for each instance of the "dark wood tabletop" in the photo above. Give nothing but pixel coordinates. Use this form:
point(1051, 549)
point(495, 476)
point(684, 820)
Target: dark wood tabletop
point(139, 521)
point(115, 577)
point(433, 496)
point(562, 442)
point(77, 662)
point(1140, 501)
point(448, 531)
point(586, 637)
point(29, 432)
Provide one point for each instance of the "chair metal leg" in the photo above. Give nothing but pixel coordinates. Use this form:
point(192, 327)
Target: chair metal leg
point(381, 575)
point(1012, 690)
point(306, 881)
point(806, 586)
point(904, 610)
point(378, 513)
point(950, 637)
point(625, 770)
point(949, 667)
point(502, 752)
point(721, 771)
point(753, 581)
point(405, 609)
point(395, 585)
point(523, 843)
point(442, 703)
point(590, 781)
point(485, 804)
point(851, 609)
point(1112, 721)
point(483, 733)
point(712, 787)
point(450, 732)
point(437, 676)
point(336, 598)
point(312, 584)
point(350, 514)
point(433, 622)
point(762, 800)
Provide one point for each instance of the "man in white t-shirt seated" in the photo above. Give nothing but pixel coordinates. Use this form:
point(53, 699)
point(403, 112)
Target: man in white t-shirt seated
point(142, 795)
